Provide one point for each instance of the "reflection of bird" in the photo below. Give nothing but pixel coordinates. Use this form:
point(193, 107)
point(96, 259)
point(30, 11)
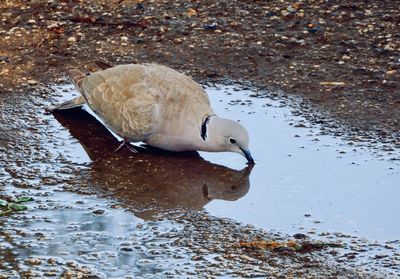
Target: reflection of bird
point(159, 106)
point(162, 179)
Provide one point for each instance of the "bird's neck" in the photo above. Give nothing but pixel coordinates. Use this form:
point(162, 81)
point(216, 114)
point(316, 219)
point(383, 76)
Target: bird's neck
point(209, 140)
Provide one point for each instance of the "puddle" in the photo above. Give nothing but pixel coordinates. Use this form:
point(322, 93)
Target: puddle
point(304, 180)
point(81, 222)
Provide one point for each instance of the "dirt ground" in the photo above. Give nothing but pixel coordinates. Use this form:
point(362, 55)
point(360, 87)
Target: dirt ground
point(344, 57)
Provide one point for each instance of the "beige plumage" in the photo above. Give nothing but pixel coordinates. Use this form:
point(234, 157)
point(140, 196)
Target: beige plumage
point(159, 106)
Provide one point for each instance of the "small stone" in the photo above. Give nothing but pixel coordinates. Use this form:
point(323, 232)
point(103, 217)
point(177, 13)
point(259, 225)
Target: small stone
point(71, 40)
point(380, 256)
point(299, 236)
point(52, 25)
point(197, 258)
point(291, 9)
point(124, 39)
point(98, 211)
point(211, 26)
point(178, 41)
point(126, 249)
point(270, 13)
point(72, 264)
point(243, 12)
point(191, 12)
point(284, 13)
point(346, 57)
point(34, 261)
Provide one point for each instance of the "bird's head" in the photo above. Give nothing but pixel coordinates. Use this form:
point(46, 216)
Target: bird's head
point(229, 135)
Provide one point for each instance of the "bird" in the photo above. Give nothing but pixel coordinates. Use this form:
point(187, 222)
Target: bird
point(157, 105)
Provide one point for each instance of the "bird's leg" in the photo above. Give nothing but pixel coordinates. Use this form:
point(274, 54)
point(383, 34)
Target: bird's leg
point(125, 142)
point(205, 192)
point(131, 148)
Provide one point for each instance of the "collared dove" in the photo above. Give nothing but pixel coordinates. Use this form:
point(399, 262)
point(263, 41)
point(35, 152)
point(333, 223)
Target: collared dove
point(159, 106)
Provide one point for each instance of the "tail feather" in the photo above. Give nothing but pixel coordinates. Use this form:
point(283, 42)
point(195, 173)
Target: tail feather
point(77, 78)
point(76, 102)
point(103, 65)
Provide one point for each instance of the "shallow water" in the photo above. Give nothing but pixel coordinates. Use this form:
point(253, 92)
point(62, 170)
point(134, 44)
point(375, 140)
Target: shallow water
point(298, 172)
point(66, 229)
point(304, 180)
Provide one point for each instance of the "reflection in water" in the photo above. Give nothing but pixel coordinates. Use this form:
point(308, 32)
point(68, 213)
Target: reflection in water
point(152, 177)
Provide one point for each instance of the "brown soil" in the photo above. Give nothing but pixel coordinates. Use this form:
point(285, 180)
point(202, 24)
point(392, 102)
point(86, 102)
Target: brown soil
point(345, 57)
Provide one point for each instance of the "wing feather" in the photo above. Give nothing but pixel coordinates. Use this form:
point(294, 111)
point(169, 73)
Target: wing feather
point(143, 101)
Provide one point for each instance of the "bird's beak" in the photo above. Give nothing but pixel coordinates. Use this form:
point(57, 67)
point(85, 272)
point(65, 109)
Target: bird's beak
point(247, 154)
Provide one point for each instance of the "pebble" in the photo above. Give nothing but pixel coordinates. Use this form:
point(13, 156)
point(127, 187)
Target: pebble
point(284, 13)
point(71, 40)
point(98, 211)
point(32, 82)
point(34, 261)
point(212, 26)
point(52, 25)
point(291, 9)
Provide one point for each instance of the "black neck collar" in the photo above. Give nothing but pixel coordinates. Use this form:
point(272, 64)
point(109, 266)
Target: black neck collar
point(203, 132)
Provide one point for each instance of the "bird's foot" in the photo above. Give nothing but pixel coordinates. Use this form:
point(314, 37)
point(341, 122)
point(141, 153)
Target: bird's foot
point(126, 143)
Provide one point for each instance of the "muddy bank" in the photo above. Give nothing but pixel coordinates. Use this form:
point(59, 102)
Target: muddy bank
point(343, 57)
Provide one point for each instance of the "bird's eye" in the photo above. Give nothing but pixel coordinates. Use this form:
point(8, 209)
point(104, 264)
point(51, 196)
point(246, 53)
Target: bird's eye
point(232, 140)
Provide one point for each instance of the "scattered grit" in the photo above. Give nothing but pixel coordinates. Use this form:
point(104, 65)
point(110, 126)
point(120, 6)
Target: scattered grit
point(344, 57)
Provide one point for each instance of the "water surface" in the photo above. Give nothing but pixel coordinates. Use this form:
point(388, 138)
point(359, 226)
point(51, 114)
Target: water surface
point(298, 172)
point(305, 179)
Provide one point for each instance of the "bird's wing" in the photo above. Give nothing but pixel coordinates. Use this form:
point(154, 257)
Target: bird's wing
point(120, 97)
point(184, 107)
point(148, 101)
point(183, 102)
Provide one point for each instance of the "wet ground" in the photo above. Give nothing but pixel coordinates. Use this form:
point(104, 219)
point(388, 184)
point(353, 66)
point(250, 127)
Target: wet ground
point(100, 214)
point(344, 57)
point(326, 168)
